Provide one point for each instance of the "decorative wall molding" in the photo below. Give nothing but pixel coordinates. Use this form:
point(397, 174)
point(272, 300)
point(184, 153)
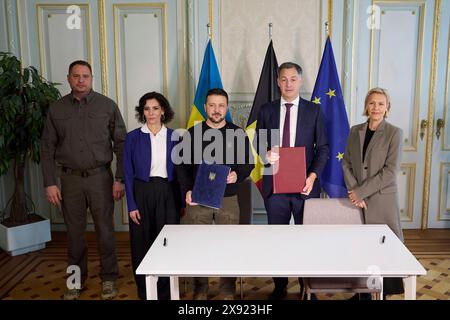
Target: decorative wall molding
point(431, 109)
point(58, 45)
point(444, 190)
point(134, 56)
point(407, 182)
point(297, 36)
point(403, 77)
point(10, 17)
point(103, 46)
point(240, 113)
point(445, 146)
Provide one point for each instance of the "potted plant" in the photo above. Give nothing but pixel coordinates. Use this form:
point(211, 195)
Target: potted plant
point(24, 100)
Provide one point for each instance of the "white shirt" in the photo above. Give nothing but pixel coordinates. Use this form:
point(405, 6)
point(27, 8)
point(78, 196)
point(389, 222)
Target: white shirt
point(293, 120)
point(158, 143)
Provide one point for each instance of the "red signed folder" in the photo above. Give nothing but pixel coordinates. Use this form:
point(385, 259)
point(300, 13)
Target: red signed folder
point(289, 172)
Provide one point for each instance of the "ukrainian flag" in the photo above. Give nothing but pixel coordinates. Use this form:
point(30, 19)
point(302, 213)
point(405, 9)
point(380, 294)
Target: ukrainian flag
point(209, 79)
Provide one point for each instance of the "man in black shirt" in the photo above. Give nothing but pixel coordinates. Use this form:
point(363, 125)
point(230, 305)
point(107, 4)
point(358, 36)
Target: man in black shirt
point(215, 141)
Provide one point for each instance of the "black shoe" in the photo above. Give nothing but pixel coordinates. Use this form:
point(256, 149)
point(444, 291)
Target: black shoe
point(278, 294)
point(313, 296)
point(361, 296)
point(355, 297)
point(365, 296)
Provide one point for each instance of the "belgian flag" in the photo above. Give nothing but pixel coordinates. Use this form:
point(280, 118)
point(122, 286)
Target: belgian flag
point(267, 91)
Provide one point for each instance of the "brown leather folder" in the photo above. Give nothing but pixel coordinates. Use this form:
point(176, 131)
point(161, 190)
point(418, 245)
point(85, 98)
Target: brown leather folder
point(289, 172)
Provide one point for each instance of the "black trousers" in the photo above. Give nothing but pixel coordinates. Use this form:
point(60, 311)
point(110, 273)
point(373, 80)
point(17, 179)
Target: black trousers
point(156, 204)
point(279, 209)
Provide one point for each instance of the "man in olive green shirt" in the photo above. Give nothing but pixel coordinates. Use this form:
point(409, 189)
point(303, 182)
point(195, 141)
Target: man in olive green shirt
point(81, 132)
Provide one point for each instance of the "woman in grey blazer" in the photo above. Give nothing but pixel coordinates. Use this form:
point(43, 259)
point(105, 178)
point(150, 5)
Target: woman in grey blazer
point(371, 163)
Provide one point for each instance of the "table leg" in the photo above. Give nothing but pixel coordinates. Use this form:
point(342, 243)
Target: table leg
point(410, 287)
point(151, 287)
point(381, 288)
point(174, 288)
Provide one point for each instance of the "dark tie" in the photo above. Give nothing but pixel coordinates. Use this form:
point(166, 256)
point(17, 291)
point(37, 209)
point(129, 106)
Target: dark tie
point(287, 125)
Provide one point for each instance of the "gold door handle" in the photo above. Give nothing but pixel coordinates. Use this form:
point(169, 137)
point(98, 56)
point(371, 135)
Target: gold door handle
point(440, 123)
point(423, 128)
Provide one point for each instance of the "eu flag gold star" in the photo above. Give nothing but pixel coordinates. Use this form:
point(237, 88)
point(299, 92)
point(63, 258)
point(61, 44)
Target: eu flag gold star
point(331, 93)
point(340, 156)
point(316, 100)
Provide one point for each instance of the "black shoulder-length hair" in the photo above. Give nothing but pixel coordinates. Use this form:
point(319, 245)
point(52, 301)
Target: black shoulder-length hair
point(165, 106)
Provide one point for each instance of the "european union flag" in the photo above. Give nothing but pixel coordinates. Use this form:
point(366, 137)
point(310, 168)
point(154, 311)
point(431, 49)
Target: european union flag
point(328, 94)
point(209, 79)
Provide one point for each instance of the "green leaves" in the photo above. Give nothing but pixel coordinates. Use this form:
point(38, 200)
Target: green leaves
point(25, 97)
point(26, 75)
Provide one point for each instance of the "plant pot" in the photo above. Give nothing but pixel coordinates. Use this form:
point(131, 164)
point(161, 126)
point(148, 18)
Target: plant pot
point(25, 238)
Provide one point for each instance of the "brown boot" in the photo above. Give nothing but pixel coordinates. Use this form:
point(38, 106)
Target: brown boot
point(109, 290)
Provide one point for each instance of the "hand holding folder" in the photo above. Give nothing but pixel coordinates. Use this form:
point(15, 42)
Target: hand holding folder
point(210, 184)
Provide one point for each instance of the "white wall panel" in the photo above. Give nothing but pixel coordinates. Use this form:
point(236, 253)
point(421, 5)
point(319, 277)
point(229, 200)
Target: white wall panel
point(10, 22)
point(406, 178)
point(396, 53)
point(60, 45)
point(140, 50)
point(3, 27)
point(397, 69)
point(445, 92)
point(3, 48)
point(439, 207)
point(297, 27)
point(444, 194)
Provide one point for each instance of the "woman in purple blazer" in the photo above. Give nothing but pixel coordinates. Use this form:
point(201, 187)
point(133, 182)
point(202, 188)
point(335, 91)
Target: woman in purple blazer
point(150, 184)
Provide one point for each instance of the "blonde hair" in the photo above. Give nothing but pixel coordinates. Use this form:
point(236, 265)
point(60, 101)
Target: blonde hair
point(380, 91)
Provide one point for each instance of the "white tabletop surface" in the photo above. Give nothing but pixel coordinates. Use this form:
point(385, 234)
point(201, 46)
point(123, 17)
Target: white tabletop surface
point(279, 250)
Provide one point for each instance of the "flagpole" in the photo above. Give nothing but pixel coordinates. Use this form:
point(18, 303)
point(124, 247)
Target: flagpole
point(327, 28)
point(270, 30)
point(208, 26)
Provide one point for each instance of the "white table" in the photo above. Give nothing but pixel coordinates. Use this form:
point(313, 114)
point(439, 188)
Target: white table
point(254, 251)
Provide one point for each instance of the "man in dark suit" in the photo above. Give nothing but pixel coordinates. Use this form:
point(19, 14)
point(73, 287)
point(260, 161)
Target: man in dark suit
point(291, 122)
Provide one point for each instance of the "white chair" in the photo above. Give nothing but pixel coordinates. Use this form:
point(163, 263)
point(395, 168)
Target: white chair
point(335, 211)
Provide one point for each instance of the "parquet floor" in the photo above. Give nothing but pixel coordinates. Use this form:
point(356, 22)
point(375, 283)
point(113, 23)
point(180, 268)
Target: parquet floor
point(42, 275)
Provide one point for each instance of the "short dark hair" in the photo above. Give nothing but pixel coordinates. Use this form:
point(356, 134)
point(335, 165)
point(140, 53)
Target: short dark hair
point(80, 63)
point(216, 92)
point(290, 65)
point(165, 106)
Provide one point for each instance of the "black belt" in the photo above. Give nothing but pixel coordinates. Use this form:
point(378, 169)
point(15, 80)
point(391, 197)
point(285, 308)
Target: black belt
point(85, 173)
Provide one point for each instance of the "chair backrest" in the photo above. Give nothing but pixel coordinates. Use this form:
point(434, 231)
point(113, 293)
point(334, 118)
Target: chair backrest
point(331, 211)
point(244, 196)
